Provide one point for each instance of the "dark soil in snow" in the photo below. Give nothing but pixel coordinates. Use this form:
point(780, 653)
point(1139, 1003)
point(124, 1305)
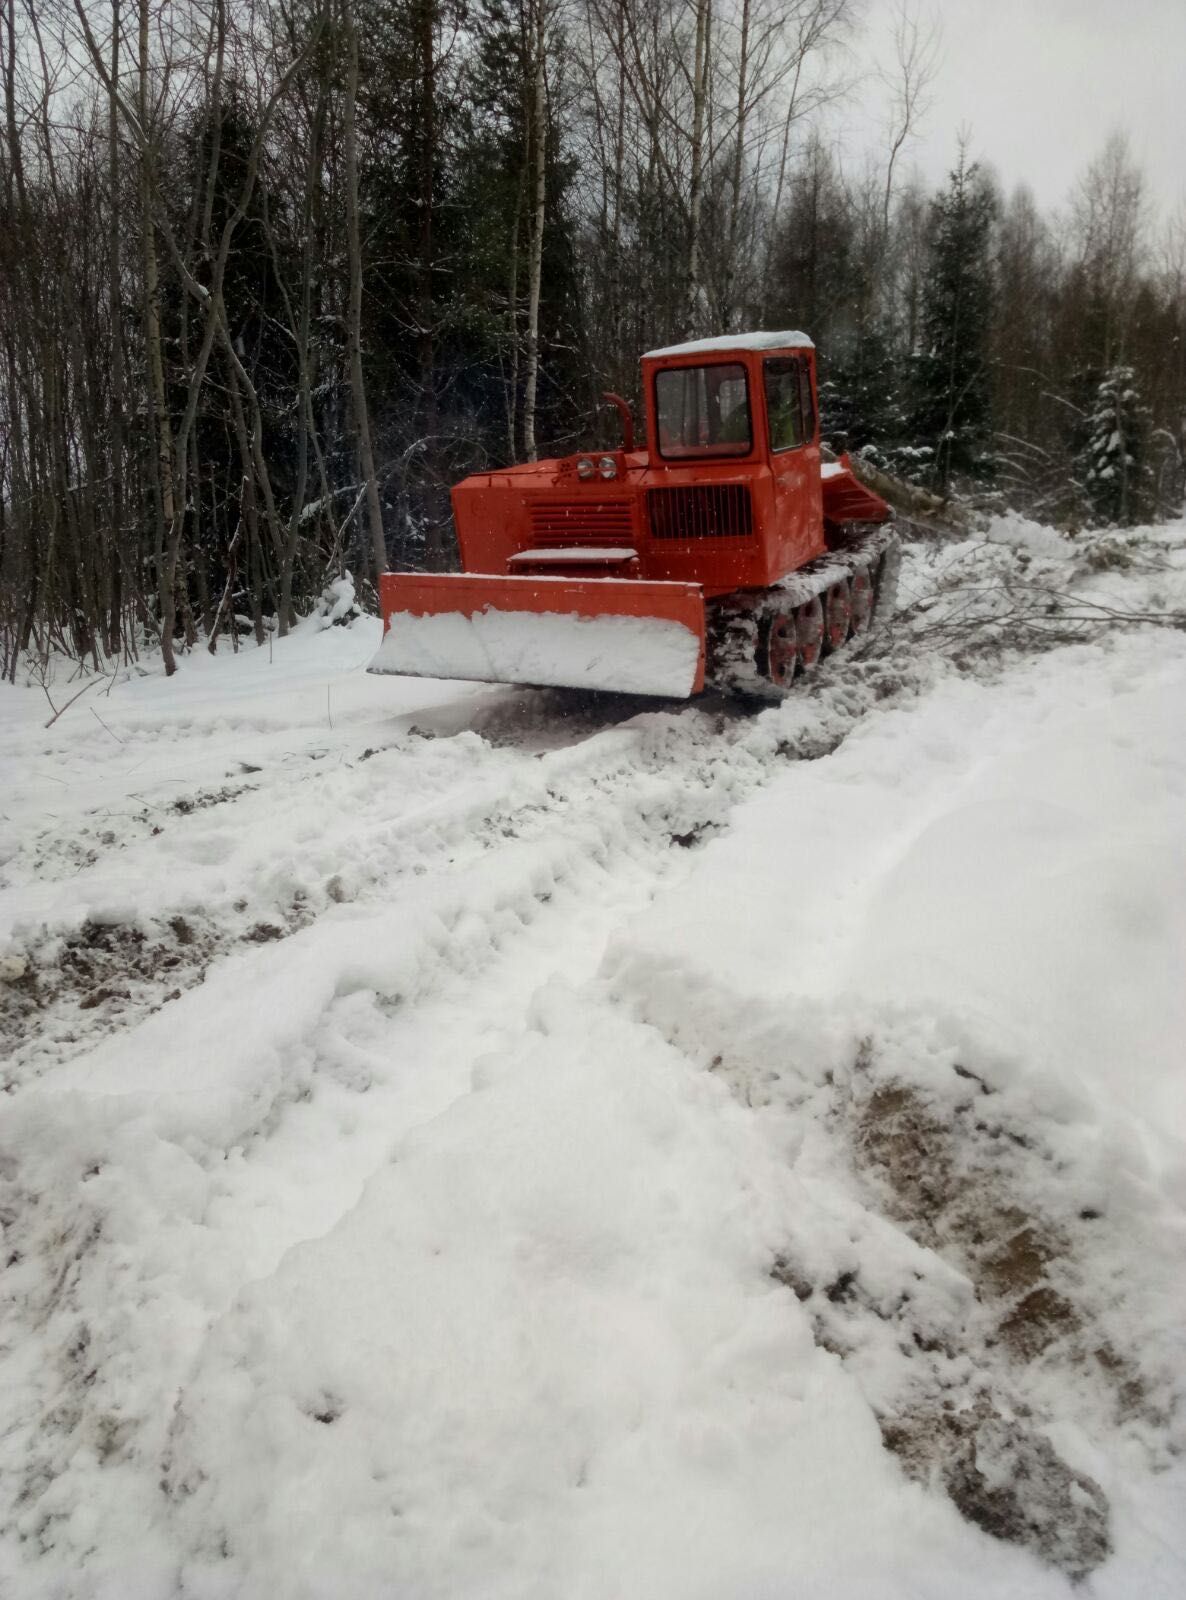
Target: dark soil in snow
point(103, 974)
point(974, 1400)
point(1007, 1479)
point(946, 1185)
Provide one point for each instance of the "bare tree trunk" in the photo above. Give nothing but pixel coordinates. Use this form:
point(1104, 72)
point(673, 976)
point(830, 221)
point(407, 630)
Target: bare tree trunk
point(693, 289)
point(427, 200)
point(366, 459)
point(727, 308)
point(539, 140)
point(167, 512)
point(116, 556)
point(513, 316)
point(249, 509)
point(617, 295)
point(306, 425)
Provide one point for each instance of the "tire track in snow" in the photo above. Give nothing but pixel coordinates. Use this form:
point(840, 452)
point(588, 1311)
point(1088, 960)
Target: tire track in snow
point(534, 721)
point(99, 964)
point(97, 949)
point(585, 839)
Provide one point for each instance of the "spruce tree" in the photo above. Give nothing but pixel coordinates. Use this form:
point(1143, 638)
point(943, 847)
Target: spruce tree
point(1113, 465)
point(860, 393)
point(951, 412)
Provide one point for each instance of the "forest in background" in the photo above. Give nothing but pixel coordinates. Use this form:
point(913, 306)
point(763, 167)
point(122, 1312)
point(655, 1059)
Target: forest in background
point(274, 274)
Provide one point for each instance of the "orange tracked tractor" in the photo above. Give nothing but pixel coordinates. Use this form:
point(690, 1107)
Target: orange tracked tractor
point(722, 554)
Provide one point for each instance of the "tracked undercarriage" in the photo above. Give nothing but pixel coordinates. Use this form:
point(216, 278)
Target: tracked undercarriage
point(760, 642)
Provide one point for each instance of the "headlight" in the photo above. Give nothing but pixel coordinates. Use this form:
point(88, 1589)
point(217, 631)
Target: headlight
point(608, 467)
point(585, 468)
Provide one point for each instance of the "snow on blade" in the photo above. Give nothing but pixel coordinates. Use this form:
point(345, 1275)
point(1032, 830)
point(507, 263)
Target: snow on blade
point(627, 655)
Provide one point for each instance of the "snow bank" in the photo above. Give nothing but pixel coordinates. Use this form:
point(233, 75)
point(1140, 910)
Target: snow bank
point(946, 961)
point(1012, 857)
point(544, 1355)
point(1013, 529)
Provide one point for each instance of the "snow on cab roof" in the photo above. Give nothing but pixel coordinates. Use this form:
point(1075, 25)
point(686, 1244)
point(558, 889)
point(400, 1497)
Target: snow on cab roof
point(737, 341)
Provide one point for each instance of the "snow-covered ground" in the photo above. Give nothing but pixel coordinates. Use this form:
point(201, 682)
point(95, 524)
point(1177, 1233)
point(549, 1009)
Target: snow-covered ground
point(474, 1142)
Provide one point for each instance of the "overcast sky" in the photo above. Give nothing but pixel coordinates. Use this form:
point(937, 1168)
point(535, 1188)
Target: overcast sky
point(1041, 83)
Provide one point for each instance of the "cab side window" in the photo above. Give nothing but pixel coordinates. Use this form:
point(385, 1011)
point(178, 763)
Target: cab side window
point(788, 402)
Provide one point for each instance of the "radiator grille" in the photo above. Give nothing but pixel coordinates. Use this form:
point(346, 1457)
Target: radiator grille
point(566, 522)
point(709, 511)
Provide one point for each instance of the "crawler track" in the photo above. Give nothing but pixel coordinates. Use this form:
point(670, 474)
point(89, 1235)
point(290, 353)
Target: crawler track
point(761, 642)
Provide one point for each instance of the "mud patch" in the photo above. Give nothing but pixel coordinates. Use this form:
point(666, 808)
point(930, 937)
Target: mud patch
point(106, 975)
point(1006, 1478)
point(1021, 1261)
point(957, 1179)
point(204, 799)
point(792, 1277)
point(1036, 1321)
point(1002, 1327)
point(694, 836)
point(905, 1143)
point(954, 1183)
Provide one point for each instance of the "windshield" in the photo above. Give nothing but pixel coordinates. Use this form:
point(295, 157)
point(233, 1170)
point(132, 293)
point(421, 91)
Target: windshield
point(703, 411)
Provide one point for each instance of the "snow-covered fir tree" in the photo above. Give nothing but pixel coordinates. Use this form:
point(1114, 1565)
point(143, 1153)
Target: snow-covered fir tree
point(860, 392)
point(1113, 464)
point(951, 413)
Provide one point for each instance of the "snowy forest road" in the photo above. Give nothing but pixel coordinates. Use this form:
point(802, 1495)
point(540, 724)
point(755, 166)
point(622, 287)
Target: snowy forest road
point(251, 837)
point(453, 1148)
point(330, 925)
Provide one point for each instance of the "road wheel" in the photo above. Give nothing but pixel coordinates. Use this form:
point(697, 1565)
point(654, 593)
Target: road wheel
point(837, 614)
point(809, 630)
point(781, 649)
point(862, 600)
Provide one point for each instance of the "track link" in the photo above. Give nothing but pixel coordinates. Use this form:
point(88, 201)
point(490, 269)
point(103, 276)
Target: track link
point(760, 642)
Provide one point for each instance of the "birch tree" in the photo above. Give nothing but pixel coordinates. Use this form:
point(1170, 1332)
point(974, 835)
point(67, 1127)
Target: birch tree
point(537, 143)
point(362, 426)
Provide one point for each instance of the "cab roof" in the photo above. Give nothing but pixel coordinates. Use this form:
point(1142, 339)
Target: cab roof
point(788, 339)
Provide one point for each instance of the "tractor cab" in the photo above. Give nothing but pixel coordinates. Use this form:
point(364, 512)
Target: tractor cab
point(733, 466)
point(726, 494)
point(737, 397)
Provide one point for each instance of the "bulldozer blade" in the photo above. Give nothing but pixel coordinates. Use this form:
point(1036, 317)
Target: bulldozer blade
point(617, 634)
